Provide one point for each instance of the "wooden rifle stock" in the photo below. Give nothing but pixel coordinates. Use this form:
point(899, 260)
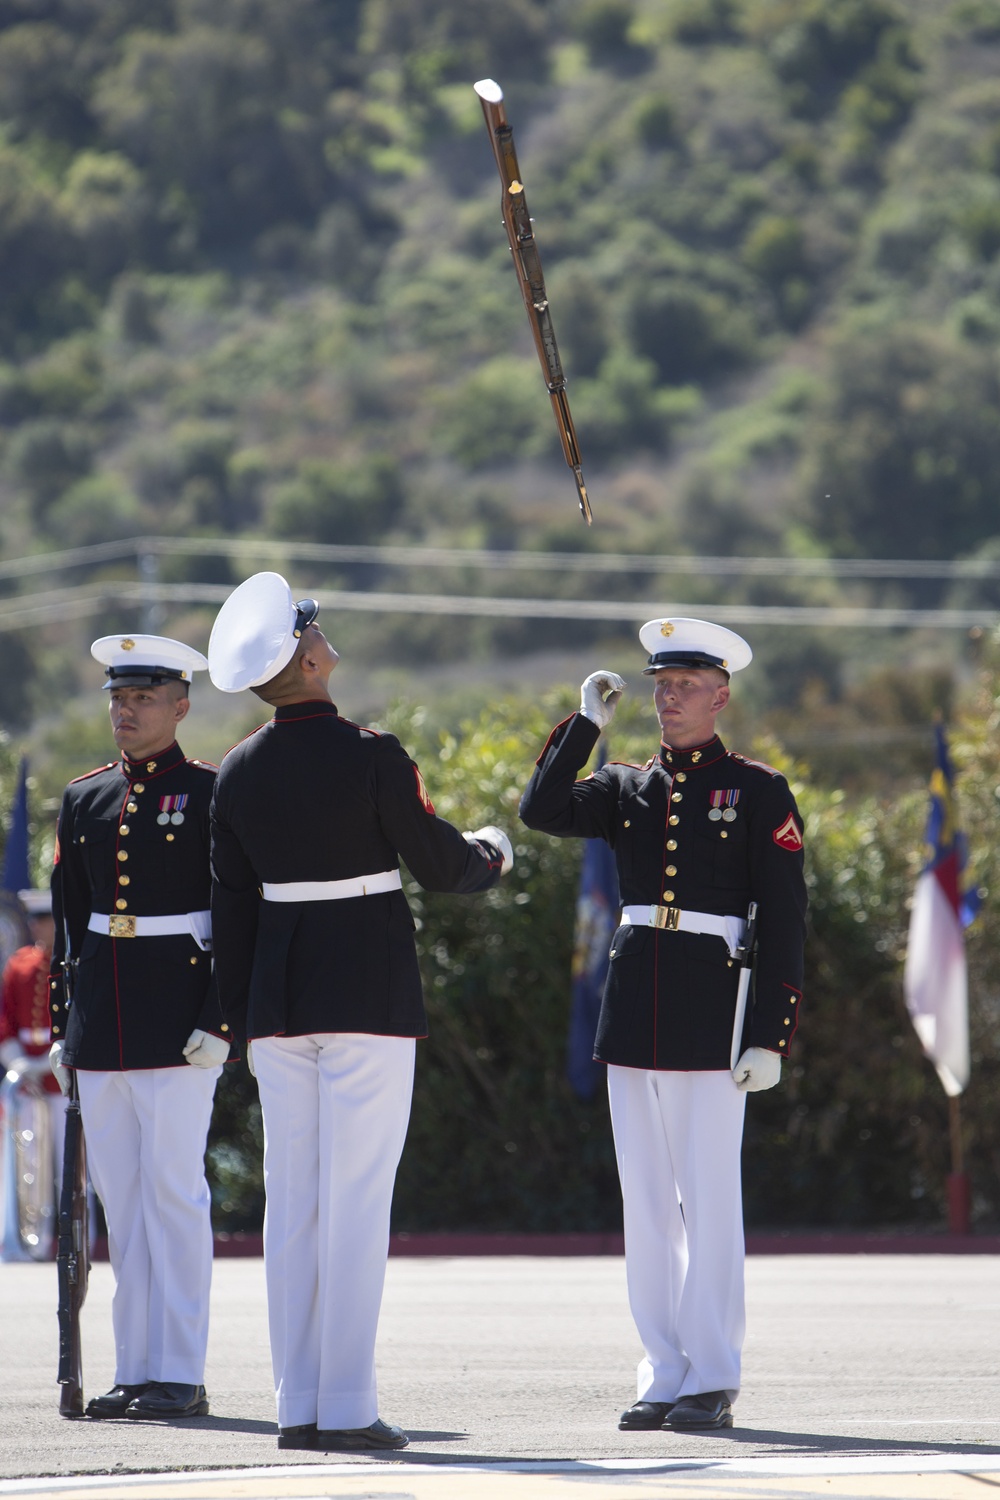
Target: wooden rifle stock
point(528, 266)
point(72, 1258)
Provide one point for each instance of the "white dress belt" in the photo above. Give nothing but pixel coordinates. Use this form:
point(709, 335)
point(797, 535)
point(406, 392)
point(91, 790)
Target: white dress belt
point(334, 890)
point(195, 924)
point(672, 919)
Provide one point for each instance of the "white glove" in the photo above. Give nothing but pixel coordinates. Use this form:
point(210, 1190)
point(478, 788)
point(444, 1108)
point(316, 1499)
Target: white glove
point(757, 1069)
point(59, 1073)
point(499, 840)
point(203, 1050)
point(594, 705)
point(249, 1057)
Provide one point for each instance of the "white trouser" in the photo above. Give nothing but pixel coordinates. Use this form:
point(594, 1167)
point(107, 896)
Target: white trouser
point(145, 1131)
point(336, 1107)
point(677, 1139)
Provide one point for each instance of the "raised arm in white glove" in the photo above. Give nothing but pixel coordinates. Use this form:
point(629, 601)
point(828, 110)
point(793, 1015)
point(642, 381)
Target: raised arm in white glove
point(60, 1073)
point(599, 697)
point(203, 1050)
point(757, 1069)
point(499, 840)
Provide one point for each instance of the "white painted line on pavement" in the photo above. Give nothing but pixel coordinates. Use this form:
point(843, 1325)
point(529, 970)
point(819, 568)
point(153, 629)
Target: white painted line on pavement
point(732, 1468)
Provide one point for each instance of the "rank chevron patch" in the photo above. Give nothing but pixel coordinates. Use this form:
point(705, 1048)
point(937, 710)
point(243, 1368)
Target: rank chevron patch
point(789, 835)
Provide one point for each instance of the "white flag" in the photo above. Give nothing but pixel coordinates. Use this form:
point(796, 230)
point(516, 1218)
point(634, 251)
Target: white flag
point(935, 976)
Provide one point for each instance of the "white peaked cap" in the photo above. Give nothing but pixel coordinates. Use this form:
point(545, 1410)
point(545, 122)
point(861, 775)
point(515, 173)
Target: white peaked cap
point(681, 642)
point(145, 660)
point(256, 633)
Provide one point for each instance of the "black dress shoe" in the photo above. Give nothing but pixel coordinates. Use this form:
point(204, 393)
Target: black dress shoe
point(709, 1409)
point(166, 1398)
point(297, 1437)
point(644, 1416)
point(378, 1435)
point(114, 1402)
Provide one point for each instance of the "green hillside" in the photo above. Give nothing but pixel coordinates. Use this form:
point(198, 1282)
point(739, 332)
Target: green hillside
point(254, 282)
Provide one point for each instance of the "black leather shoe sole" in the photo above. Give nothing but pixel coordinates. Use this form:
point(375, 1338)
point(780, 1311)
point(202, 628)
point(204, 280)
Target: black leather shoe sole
point(157, 1405)
point(112, 1405)
point(694, 1419)
point(378, 1435)
point(298, 1437)
point(644, 1416)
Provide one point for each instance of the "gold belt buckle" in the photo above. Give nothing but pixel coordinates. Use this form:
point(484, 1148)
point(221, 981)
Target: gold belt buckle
point(668, 918)
point(121, 925)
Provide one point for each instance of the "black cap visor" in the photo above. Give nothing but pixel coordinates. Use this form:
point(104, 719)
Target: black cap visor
point(306, 611)
point(697, 660)
point(138, 675)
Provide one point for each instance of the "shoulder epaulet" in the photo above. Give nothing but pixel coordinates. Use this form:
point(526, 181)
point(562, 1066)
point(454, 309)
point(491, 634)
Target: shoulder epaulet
point(203, 765)
point(631, 765)
point(111, 766)
point(248, 736)
point(756, 765)
point(376, 734)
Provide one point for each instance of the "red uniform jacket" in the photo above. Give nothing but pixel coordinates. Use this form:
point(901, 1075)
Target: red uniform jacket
point(24, 1004)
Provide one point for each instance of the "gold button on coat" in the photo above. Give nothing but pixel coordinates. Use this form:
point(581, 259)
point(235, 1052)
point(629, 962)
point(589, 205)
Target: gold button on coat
point(131, 807)
point(671, 843)
point(671, 870)
point(124, 879)
point(124, 828)
point(673, 820)
point(677, 796)
point(668, 895)
point(170, 838)
point(121, 905)
point(139, 787)
point(681, 776)
point(122, 854)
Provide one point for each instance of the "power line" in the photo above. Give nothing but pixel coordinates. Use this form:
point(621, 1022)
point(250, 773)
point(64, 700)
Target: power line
point(461, 557)
point(91, 599)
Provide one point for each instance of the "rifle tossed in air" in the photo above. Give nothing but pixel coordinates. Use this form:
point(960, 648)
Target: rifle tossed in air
point(528, 266)
point(72, 1254)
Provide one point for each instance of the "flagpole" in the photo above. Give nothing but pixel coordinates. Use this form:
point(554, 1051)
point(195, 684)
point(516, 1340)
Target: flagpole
point(959, 1197)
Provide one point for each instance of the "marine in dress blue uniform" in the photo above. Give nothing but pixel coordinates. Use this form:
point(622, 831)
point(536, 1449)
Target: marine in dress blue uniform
point(699, 832)
point(317, 968)
point(141, 1022)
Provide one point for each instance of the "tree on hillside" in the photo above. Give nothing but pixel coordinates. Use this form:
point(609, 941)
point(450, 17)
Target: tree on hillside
point(903, 458)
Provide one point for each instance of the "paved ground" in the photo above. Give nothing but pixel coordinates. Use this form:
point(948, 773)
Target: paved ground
point(868, 1371)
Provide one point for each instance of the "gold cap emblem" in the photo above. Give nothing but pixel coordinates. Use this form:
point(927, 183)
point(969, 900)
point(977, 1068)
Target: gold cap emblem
point(667, 628)
point(128, 644)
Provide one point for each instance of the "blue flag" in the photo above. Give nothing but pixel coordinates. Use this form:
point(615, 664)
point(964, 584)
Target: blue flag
point(16, 875)
point(596, 919)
